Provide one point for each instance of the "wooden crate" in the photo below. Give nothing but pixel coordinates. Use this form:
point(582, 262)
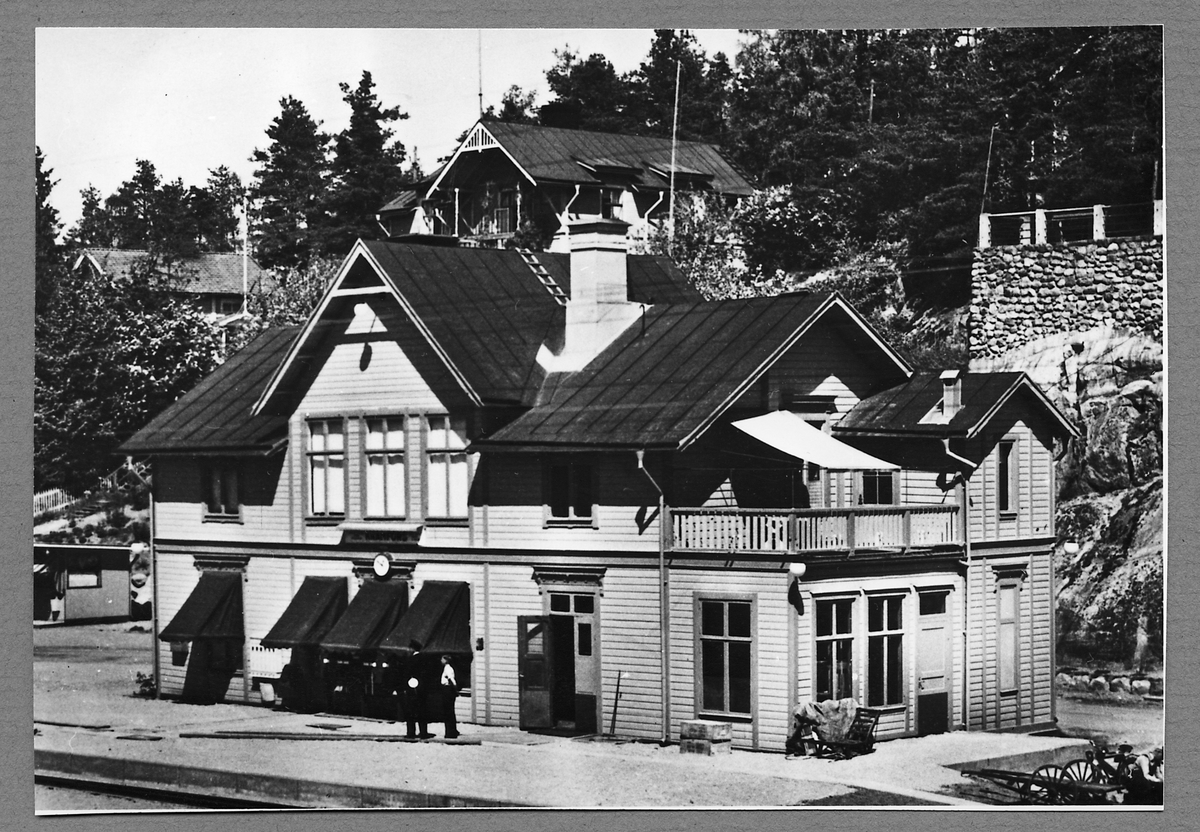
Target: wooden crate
point(706, 729)
point(706, 747)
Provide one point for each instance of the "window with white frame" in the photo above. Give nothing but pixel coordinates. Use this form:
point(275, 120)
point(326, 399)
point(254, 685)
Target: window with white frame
point(1006, 477)
point(385, 467)
point(725, 647)
point(1008, 645)
point(326, 468)
point(222, 500)
point(885, 650)
point(878, 488)
point(449, 479)
point(835, 648)
point(569, 492)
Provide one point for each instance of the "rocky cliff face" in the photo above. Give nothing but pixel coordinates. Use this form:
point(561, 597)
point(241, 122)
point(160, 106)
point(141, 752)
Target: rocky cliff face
point(1109, 555)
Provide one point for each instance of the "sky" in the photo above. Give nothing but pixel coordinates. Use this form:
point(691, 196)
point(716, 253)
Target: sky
point(190, 100)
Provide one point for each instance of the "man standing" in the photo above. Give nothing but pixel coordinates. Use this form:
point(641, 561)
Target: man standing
point(414, 694)
point(449, 690)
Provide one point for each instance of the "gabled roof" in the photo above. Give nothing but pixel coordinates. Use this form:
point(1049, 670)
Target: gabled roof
point(903, 410)
point(556, 154)
point(483, 312)
point(664, 381)
point(214, 273)
point(214, 416)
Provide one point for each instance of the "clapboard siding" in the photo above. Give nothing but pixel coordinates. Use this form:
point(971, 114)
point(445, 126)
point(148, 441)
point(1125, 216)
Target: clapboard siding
point(629, 641)
point(511, 592)
point(823, 364)
point(389, 380)
point(179, 507)
point(175, 577)
point(921, 488)
point(1035, 469)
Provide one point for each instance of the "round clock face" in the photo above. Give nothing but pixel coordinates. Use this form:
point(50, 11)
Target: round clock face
point(382, 565)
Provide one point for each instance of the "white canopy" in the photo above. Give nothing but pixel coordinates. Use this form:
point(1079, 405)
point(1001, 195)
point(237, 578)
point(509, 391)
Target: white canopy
point(786, 431)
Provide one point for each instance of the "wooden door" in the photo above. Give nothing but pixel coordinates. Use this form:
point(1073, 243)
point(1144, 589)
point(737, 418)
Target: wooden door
point(933, 688)
point(535, 671)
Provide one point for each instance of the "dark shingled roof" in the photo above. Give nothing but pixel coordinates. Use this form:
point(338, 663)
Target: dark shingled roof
point(210, 273)
point(664, 378)
point(899, 410)
point(214, 416)
point(554, 153)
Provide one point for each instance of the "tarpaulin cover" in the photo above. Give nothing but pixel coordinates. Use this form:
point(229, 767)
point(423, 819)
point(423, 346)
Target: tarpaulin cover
point(212, 611)
point(314, 610)
point(439, 620)
point(371, 615)
point(829, 720)
point(788, 432)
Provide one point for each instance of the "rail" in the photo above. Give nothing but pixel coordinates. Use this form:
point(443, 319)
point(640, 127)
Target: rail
point(1066, 225)
point(52, 500)
point(813, 530)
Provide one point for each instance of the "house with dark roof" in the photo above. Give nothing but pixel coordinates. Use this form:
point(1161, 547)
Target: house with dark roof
point(214, 282)
point(615, 505)
point(504, 177)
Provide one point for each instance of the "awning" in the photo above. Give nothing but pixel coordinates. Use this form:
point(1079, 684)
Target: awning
point(439, 620)
point(371, 615)
point(788, 432)
point(212, 611)
point(314, 610)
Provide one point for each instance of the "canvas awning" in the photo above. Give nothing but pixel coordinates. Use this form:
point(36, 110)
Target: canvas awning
point(212, 611)
point(316, 607)
point(790, 433)
point(371, 615)
point(439, 620)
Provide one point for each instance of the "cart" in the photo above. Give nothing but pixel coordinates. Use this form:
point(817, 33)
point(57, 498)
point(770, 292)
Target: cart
point(1052, 784)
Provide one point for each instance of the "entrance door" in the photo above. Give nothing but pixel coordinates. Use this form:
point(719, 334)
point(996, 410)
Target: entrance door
point(933, 689)
point(535, 672)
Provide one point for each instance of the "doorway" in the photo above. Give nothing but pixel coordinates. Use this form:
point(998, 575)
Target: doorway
point(558, 673)
point(933, 688)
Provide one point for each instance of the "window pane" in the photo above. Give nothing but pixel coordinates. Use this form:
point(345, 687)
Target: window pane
point(843, 668)
point(739, 619)
point(585, 638)
point(712, 661)
point(824, 618)
point(875, 614)
point(895, 607)
point(460, 484)
point(375, 479)
point(842, 609)
point(375, 431)
point(585, 604)
point(533, 637)
point(824, 670)
point(933, 603)
point(875, 671)
point(560, 500)
point(395, 434)
point(334, 436)
point(214, 492)
point(230, 481)
point(395, 485)
point(437, 432)
point(895, 675)
point(337, 494)
point(560, 603)
point(316, 436)
point(582, 498)
point(317, 471)
point(456, 437)
point(739, 677)
point(712, 618)
point(437, 486)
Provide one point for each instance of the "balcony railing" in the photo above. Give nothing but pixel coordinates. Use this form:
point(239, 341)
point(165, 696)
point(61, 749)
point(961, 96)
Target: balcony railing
point(1068, 225)
point(813, 530)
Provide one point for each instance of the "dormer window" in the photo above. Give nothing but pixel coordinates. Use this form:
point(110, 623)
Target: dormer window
point(221, 492)
point(569, 493)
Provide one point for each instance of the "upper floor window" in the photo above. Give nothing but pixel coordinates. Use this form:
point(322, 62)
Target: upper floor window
point(448, 467)
point(1006, 477)
point(327, 468)
point(221, 498)
point(569, 493)
point(878, 488)
point(385, 467)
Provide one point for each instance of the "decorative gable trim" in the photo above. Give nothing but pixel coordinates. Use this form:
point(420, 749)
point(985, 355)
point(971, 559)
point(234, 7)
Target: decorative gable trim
point(1024, 381)
point(479, 139)
point(336, 291)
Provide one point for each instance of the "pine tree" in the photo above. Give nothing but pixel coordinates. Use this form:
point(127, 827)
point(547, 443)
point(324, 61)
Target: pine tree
point(49, 256)
point(288, 187)
point(366, 169)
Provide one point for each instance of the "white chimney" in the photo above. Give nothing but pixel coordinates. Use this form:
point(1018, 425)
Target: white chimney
point(599, 308)
point(951, 393)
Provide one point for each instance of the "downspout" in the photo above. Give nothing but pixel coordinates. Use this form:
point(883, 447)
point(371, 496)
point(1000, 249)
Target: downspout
point(663, 628)
point(966, 536)
point(646, 216)
point(154, 598)
point(566, 215)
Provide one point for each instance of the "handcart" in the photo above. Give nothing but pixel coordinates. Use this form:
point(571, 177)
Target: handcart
point(1052, 784)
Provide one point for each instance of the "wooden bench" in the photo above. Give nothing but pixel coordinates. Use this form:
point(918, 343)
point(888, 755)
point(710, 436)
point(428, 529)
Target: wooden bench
point(859, 737)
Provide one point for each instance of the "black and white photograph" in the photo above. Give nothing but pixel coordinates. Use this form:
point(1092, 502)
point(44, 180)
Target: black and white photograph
point(601, 418)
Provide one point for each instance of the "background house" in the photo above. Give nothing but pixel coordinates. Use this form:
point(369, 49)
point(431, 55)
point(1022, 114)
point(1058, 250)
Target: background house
point(505, 176)
point(721, 509)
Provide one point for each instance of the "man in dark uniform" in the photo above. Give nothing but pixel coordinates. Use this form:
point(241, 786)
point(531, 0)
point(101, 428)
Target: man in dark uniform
point(414, 694)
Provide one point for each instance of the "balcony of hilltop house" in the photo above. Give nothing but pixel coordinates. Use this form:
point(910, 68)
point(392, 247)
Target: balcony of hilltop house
point(849, 530)
point(1072, 225)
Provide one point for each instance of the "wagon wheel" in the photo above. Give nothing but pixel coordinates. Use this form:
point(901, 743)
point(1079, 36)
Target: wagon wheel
point(1081, 771)
point(1042, 786)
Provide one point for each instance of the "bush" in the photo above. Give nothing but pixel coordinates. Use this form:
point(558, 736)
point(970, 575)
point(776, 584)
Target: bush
point(146, 687)
point(140, 530)
point(116, 518)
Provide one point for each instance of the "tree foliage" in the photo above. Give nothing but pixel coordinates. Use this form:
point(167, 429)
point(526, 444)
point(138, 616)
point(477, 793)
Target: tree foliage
point(50, 261)
point(289, 187)
point(366, 169)
point(111, 352)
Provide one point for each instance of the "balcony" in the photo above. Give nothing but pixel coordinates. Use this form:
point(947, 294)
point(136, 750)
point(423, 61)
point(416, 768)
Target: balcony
point(755, 531)
point(1068, 225)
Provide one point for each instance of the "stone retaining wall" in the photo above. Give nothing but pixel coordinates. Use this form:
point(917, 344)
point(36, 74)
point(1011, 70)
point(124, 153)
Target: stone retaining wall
point(1021, 293)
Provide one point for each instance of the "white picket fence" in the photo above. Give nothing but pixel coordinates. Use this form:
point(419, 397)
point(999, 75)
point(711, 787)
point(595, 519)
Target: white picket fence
point(51, 500)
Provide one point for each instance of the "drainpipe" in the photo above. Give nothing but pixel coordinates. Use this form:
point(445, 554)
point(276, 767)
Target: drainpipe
point(646, 216)
point(966, 536)
point(663, 628)
point(566, 215)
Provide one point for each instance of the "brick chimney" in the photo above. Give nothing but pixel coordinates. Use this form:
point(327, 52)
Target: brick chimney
point(599, 309)
point(951, 393)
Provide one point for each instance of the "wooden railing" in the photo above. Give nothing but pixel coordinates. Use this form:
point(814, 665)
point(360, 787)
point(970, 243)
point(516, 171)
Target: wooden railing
point(813, 530)
point(1065, 225)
